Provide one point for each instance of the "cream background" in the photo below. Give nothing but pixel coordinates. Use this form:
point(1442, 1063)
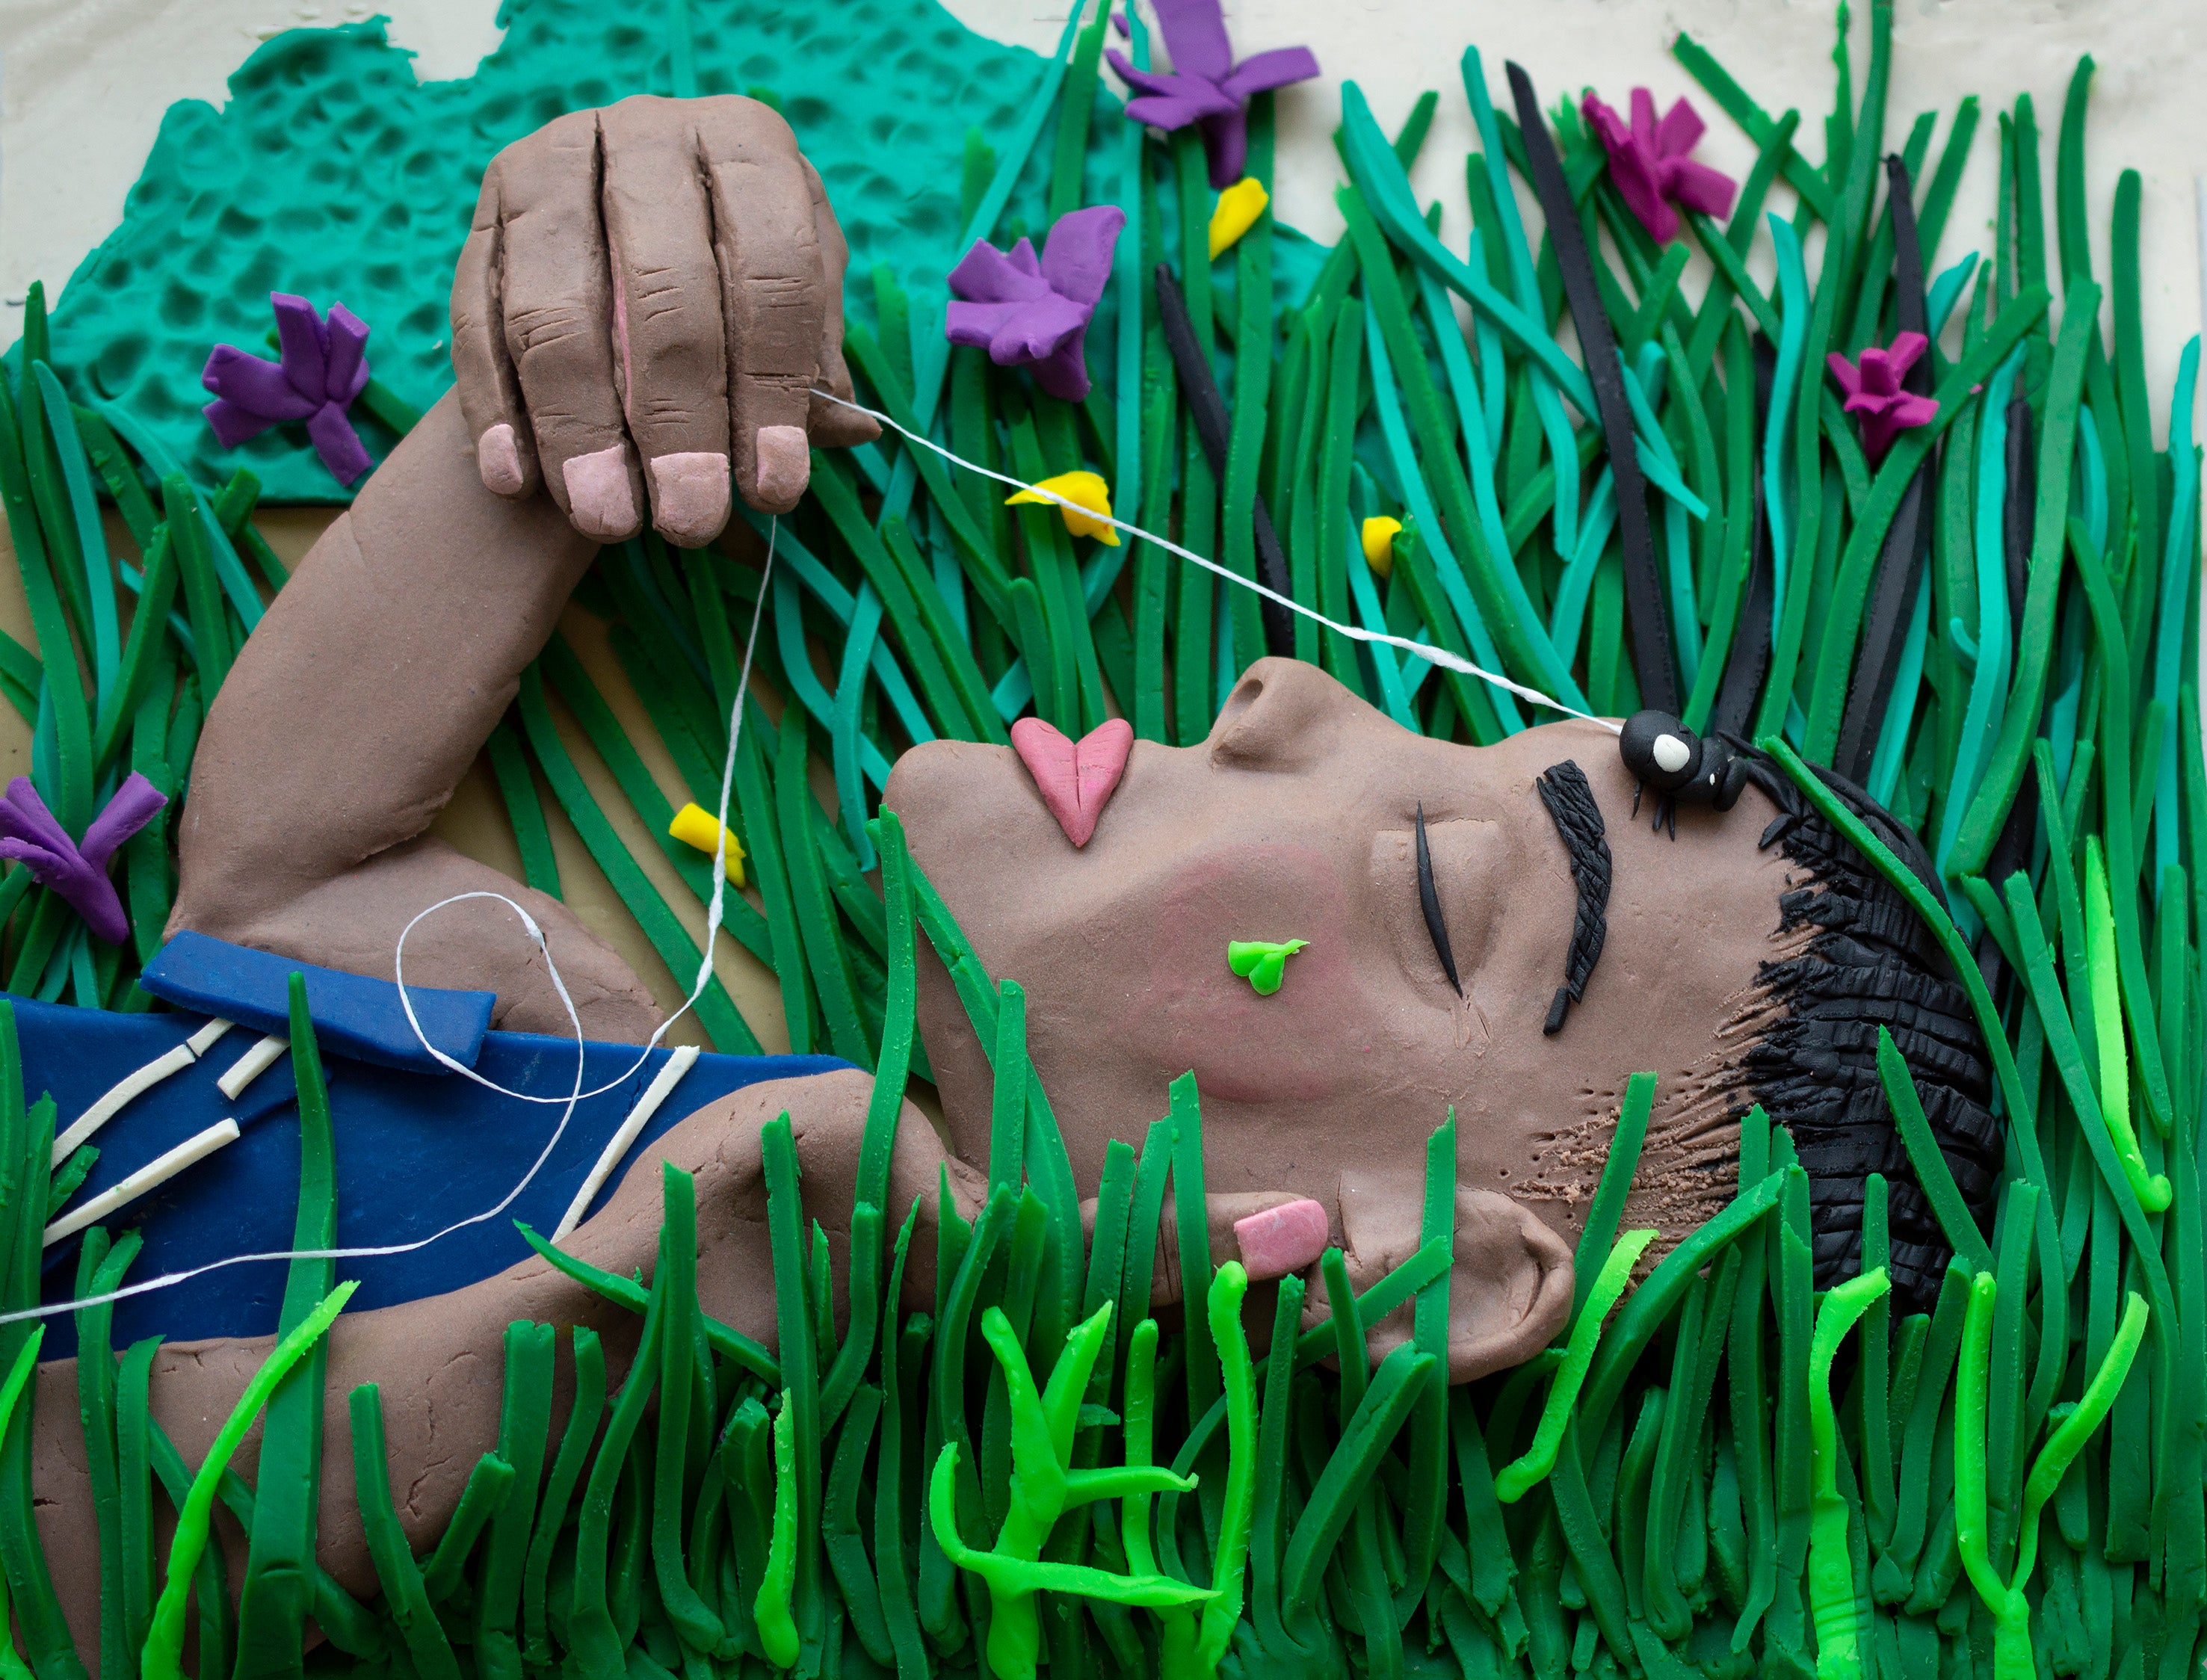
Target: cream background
point(83, 84)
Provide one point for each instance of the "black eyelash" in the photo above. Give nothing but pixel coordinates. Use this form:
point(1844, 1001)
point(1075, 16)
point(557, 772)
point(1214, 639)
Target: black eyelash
point(1430, 902)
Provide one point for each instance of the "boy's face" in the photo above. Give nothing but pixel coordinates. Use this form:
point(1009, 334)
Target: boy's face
point(1296, 819)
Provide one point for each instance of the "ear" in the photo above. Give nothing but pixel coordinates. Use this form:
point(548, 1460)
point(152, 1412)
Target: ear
point(1509, 1295)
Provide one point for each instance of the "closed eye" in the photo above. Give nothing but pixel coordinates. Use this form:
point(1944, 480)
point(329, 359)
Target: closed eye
point(1429, 901)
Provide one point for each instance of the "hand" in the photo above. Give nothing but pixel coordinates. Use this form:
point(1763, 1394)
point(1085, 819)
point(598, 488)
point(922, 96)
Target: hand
point(1271, 1232)
point(647, 289)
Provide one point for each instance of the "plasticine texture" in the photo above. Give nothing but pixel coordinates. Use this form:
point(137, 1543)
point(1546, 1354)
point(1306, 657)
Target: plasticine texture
point(334, 174)
point(302, 836)
point(433, 1361)
point(1297, 816)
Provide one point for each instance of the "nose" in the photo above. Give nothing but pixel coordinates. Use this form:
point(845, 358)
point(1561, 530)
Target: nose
point(1283, 715)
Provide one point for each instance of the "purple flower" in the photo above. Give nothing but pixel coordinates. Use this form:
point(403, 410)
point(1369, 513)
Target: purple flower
point(1037, 313)
point(1874, 392)
point(322, 370)
point(77, 869)
point(1650, 165)
point(1206, 87)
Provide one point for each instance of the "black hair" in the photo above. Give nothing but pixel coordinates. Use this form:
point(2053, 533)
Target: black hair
point(1869, 961)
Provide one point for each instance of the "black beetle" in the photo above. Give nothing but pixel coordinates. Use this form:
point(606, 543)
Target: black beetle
point(1664, 755)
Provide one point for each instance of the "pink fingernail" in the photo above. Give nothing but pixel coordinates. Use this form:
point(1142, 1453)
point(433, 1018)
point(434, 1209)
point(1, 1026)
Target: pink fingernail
point(599, 498)
point(690, 496)
point(1282, 1239)
point(784, 465)
point(498, 458)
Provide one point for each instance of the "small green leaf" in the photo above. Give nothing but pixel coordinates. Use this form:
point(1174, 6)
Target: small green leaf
point(1262, 962)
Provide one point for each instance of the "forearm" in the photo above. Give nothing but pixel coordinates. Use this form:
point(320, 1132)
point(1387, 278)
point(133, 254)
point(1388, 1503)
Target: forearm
point(355, 709)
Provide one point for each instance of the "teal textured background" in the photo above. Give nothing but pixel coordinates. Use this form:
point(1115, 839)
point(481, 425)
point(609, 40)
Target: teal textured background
point(333, 172)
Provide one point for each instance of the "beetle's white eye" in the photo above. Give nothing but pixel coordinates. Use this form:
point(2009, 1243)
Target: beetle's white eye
point(1670, 754)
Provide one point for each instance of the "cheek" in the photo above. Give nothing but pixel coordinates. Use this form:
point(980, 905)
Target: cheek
point(1186, 1009)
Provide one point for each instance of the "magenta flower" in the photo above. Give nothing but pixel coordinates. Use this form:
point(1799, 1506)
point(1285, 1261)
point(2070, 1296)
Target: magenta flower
point(1036, 313)
point(77, 869)
point(1206, 87)
point(323, 369)
point(1874, 392)
point(1650, 165)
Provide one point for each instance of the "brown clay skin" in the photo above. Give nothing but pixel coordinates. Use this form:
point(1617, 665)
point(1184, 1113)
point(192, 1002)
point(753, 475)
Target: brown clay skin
point(349, 719)
point(644, 284)
point(1297, 819)
point(647, 289)
point(616, 256)
point(438, 1362)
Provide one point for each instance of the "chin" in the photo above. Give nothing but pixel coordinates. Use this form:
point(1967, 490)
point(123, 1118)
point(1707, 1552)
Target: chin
point(955, 794)
point(978, 833)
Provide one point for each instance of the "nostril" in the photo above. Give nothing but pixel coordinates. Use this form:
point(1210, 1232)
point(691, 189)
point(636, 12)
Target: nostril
point(1238, 735)
point(1280, 715)
point(1245, 694)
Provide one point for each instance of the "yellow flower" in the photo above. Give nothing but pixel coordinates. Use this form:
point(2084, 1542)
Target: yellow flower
point(694, 825)
point(1238, 208)
point(1379, 543)
point(1083, 490)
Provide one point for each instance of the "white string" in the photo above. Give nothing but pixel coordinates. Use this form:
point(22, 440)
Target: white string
point(1433, 655)
point(571, 1100)
point(1424, 650)
point(713, 913)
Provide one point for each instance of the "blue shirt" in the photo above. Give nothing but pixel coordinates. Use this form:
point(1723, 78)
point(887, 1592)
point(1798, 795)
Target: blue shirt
point(415, 1152)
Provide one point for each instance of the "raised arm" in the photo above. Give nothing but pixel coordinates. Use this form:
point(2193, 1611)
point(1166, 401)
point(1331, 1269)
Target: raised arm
point(350, 716)
point(647, 289)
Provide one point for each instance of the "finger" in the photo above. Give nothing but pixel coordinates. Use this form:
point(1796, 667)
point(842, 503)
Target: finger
point(1362, 1272)
point(667, 333)
point(926, 1180)
point(1270, 1232)
point(558, 304)
point(1382, 1225)
point(774, 295)
point(489, 390)
point(1285, 1237)
point(832, 426)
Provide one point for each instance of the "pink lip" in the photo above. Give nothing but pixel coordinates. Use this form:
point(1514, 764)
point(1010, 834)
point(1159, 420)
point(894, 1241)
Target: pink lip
point(1076, 779)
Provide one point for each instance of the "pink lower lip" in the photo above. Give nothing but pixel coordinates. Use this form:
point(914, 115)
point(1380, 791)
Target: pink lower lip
point(1076, 779)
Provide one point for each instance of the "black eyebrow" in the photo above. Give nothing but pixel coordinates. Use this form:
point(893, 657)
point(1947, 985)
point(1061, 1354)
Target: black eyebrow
point(1430, 902)
point(1570, 800)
